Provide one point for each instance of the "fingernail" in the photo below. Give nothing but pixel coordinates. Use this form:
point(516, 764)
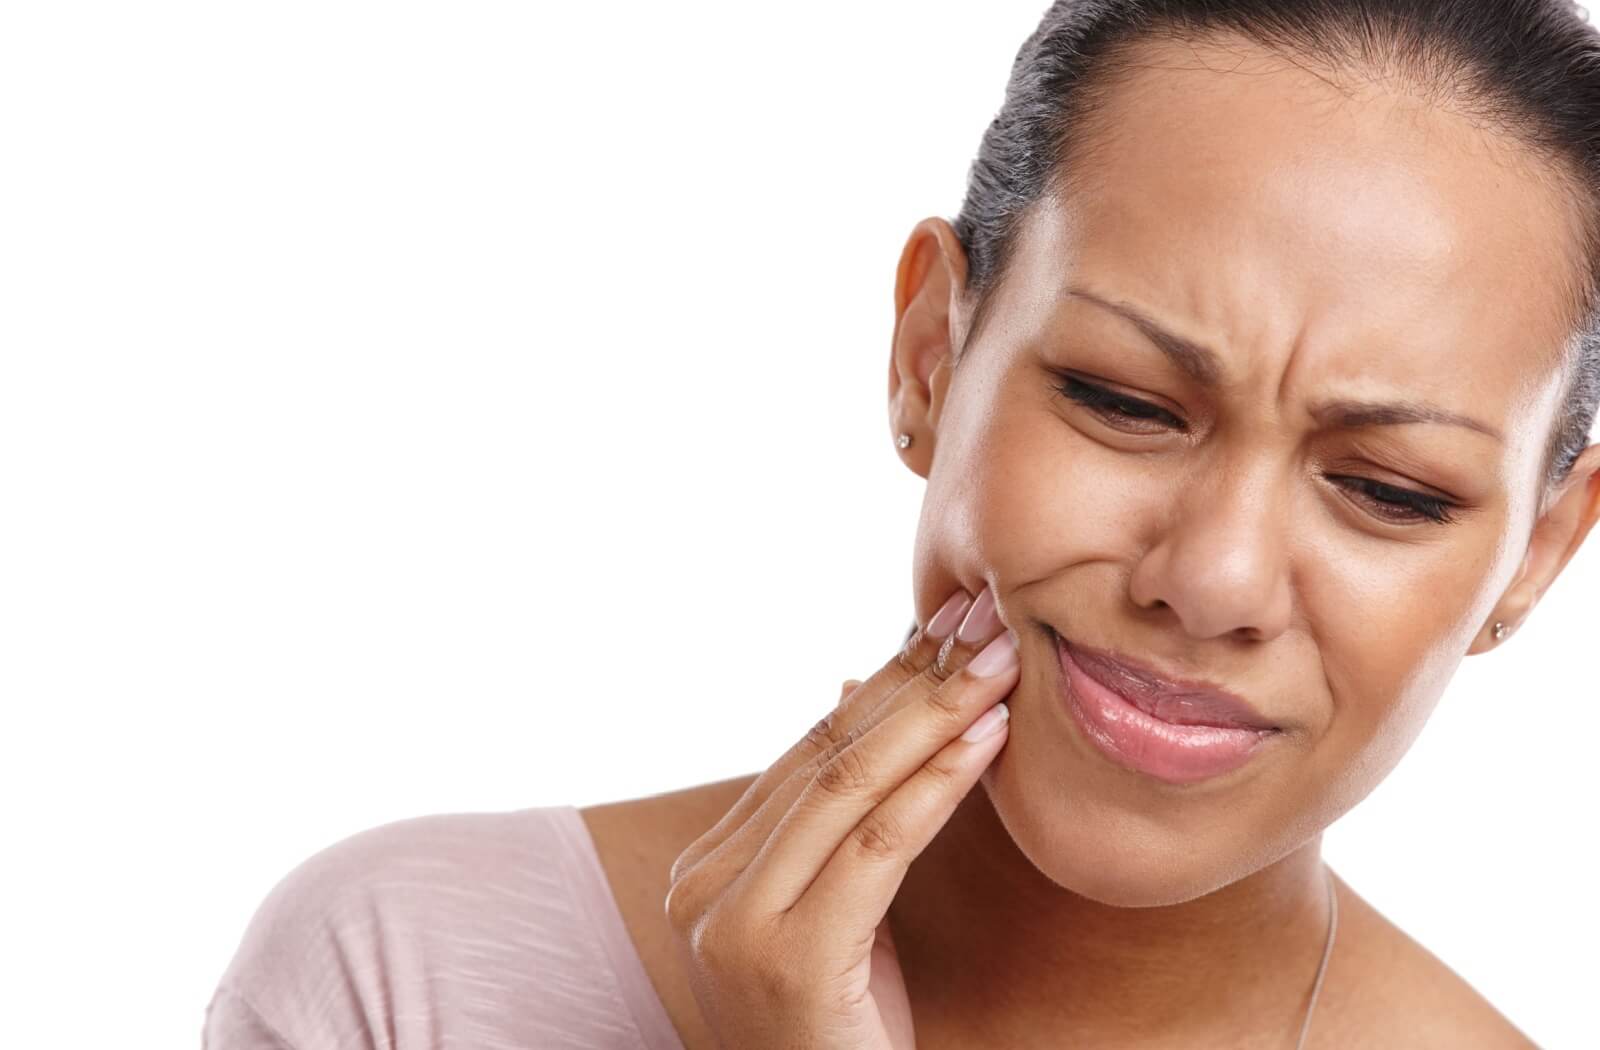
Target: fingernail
point(981, 619)
point(988, 723)
point(998, 656)
point(944, 621)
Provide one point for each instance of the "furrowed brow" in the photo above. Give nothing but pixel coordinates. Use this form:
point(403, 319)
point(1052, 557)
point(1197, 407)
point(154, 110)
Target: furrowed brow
point(1204, 365)
point(1200, 363)
point(1348, 413)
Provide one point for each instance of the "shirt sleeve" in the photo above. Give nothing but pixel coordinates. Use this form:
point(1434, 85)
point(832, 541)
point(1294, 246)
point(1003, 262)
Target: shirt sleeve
point(495, 931)
point(233, 1024)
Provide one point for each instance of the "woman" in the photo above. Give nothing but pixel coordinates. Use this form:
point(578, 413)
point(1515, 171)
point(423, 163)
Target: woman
point(1252, 387)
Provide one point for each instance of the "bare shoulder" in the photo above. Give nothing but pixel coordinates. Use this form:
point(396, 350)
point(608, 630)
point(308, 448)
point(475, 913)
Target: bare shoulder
point(637, 840)
point(639, 828)
point(1385, 989)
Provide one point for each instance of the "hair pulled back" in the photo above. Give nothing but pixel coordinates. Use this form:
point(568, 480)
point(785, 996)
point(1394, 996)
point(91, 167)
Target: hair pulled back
point(1530, 68)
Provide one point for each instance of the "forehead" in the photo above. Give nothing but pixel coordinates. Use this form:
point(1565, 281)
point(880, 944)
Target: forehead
point(1372, 235)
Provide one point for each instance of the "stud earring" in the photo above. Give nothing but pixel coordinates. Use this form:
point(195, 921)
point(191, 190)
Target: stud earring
point(1499, 631)
point(904, 440)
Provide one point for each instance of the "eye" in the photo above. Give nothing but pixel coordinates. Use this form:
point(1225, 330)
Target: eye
point(1401, 506)
point(1112, 407)
point(1391, 504)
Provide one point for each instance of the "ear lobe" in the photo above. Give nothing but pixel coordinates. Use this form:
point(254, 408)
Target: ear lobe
point(930, 283)
point(1556, 537)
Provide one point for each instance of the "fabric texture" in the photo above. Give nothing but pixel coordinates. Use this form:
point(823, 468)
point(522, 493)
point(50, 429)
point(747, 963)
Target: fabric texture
point(485, 930)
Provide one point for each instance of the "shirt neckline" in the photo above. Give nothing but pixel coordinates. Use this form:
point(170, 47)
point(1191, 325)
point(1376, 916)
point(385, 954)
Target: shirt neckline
point(587, 877)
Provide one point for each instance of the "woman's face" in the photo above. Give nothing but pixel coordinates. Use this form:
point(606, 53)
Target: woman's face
point(1323, 249)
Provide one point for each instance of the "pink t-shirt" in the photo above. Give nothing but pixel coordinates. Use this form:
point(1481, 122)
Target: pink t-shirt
point(485, 930)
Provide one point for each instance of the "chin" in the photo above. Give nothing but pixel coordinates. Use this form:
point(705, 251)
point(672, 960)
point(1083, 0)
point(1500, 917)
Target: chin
point(1117, 863)
point(1116, 837)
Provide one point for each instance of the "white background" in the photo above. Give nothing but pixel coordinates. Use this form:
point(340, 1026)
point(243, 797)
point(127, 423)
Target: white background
point(412, 408)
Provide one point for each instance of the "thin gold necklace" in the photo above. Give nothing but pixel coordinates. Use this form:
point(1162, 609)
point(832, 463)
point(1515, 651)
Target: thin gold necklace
point(1327, 950)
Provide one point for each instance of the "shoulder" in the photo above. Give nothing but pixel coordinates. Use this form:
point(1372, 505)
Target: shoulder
point(386, 926)
point(404, 869)
point(637, 840)
point(1384, 988)
point(656, 824)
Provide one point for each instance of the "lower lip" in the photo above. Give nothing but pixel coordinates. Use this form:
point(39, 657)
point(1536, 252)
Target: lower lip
point(1131, 738)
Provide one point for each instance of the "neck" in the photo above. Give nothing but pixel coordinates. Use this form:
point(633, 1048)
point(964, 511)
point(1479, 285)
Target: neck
point(996, 954)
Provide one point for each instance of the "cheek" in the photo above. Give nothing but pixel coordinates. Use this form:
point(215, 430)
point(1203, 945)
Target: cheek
point(1020, 495)
point(1390, 636)
point(1389, 615)
point(1024, 496)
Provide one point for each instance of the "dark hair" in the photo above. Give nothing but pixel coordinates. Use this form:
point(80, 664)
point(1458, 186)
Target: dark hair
point(1529, 67)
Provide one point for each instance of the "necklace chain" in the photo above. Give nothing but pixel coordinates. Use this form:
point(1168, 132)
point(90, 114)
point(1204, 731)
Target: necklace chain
point(1327, 950)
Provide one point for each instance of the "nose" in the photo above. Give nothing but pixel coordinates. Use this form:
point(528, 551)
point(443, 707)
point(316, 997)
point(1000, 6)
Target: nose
point(1220, 560)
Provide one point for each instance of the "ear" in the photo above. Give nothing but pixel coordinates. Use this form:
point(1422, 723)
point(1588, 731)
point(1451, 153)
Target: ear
point(1570, 514)
point(930, 320)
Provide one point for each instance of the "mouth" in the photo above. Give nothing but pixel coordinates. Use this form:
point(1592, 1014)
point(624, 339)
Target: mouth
point(1176, 731)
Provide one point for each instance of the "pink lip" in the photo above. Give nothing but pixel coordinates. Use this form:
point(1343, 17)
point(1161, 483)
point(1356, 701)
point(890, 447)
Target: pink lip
point(1175, 700)
point(1179, 732)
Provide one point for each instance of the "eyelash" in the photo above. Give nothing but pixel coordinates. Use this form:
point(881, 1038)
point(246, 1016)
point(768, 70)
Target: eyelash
point(1413, 507)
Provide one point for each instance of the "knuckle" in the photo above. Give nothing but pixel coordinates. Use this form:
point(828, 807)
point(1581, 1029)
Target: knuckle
point(943, 774)
point(729, 941)
point(715, 940)
point(878, 837)
point(683, 905)
point(826, 732)
point(843, 744)
point(945, 704)
point(684, 863)
point(845, 774)
point(797, 781)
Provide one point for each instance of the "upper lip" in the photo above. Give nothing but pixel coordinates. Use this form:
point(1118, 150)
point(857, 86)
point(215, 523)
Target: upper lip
point(1180, 701)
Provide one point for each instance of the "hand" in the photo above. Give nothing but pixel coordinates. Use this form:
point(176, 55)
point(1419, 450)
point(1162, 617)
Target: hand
point(781, 909)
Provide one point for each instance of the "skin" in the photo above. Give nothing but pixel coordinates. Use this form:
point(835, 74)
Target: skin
point(1323, 240)
point(1385, 249)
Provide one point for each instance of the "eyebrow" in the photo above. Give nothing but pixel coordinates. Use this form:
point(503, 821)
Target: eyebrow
point(1204, 366)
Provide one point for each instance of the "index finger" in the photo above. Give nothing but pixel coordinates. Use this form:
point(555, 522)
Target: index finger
point(922, 649)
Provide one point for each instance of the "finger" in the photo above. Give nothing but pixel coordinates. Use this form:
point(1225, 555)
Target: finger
point(727, 860)
point(860, 777)
point(854, 890)
point(849, 684)
point(951, 636)
point(921, 651)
